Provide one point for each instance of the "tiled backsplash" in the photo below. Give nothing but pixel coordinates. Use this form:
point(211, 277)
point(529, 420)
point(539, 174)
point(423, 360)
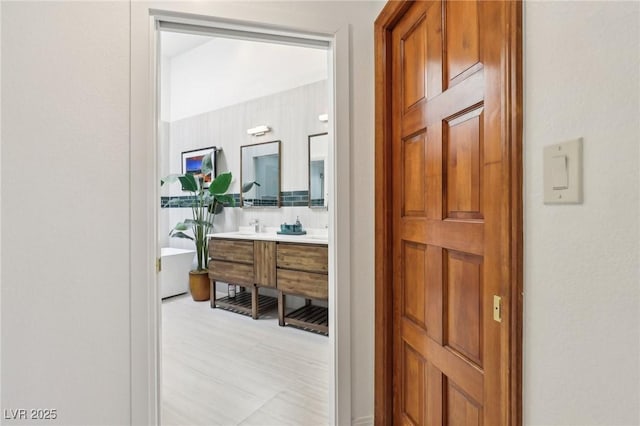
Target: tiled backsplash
point(287, 199)
point(294, 198)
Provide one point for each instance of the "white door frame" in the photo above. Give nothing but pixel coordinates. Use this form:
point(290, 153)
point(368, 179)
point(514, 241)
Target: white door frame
point(146, 323)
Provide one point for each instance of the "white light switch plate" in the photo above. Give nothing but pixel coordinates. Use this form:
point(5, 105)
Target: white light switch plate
point(557, 190)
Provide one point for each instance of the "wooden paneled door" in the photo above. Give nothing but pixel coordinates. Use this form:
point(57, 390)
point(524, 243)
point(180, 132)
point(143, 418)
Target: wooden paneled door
point(448, 213)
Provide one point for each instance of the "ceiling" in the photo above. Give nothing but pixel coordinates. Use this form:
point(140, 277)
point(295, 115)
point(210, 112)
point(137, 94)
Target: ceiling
point(204, 73)
point(174, 44)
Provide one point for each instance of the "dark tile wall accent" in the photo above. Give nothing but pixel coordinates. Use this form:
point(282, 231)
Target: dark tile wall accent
point(176, 202)
point(257, 202)
point(294, 198)
point(287, 199)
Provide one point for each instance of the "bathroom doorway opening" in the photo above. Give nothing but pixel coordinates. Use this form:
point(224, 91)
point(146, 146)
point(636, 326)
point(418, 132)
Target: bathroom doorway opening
point(194, 121)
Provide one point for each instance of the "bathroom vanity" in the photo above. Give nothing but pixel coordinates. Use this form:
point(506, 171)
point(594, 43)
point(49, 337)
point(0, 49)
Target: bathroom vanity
point(234, 261)
point(292, 265)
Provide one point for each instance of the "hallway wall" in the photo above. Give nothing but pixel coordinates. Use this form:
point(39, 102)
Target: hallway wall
point(65, 178)
point(66, 134)
point(65, 217)
point(581, 319)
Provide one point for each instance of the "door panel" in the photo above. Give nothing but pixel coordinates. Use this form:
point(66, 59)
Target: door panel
point(462, 35)
point(462, 141)
point(435, 381)
point(414, 185)
point(414, 386)
point(447, 222)
point(415, 262)
point(463, 328)
point(414, 50)
point(461, 409)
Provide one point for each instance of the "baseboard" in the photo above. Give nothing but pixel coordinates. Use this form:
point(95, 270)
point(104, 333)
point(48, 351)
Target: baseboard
point(363, 421)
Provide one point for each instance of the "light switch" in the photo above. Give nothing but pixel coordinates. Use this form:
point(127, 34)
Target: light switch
point(563, 173)
point(559, 176)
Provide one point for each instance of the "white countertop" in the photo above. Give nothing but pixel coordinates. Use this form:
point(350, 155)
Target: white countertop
point(313, 236)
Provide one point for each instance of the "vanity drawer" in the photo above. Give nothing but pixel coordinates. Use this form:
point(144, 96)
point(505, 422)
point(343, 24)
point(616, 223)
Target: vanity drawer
point(302, 257)
point(230, 272)
point(307, 284)
point(232, 250)
point(265, 263)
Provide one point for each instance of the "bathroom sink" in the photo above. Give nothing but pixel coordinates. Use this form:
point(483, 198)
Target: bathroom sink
point(251, 233)
point(318, 237)
point(245, 232)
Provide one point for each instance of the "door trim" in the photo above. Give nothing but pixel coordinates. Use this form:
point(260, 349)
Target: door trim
point(145, 302)
point(513, 296)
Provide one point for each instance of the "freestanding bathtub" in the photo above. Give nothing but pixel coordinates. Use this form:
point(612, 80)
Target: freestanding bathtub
point(174, 276)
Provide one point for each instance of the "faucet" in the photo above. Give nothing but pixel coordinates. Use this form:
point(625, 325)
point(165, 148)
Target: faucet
point(256, 224)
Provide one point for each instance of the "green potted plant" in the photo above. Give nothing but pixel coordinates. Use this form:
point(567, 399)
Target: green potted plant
point(205, 204)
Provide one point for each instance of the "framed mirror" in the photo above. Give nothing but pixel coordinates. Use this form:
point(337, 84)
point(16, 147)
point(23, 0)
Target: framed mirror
point(318, 153)
point(260, 175)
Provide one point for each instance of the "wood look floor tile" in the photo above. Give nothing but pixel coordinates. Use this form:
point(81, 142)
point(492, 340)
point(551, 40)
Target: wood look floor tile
point(222, 368)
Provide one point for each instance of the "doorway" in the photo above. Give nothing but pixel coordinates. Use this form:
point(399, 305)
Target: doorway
point(449, 227)
point(262, 35)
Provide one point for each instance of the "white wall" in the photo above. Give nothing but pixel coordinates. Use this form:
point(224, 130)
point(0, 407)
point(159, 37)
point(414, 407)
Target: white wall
point(225, 72)
point(581, 355)
point(292, 115)
point(65, 220)
point(65, 337)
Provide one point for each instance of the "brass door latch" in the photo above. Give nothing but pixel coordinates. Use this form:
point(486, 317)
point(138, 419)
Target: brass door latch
point(497, 308)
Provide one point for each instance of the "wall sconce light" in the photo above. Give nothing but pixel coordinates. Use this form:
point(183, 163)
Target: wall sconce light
point(259, 130)
point(323, 117)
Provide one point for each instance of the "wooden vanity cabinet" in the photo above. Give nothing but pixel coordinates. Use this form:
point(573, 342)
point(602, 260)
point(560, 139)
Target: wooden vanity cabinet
point(303, 257)
point(306, 284)
point(244, 263)
point(264, 263)
point(237, 251)
point(231, 261)
point(294, 269)
point(302, 271)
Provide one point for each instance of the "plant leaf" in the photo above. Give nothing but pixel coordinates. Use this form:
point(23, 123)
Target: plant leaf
point(181, 235)
point(247, 186)
point(207, 164)
point(188, 183)
point(169, 179)
point(197, 222)
point(220, 184)
point(181, 226)
point(216, 207)
point(225, 198)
